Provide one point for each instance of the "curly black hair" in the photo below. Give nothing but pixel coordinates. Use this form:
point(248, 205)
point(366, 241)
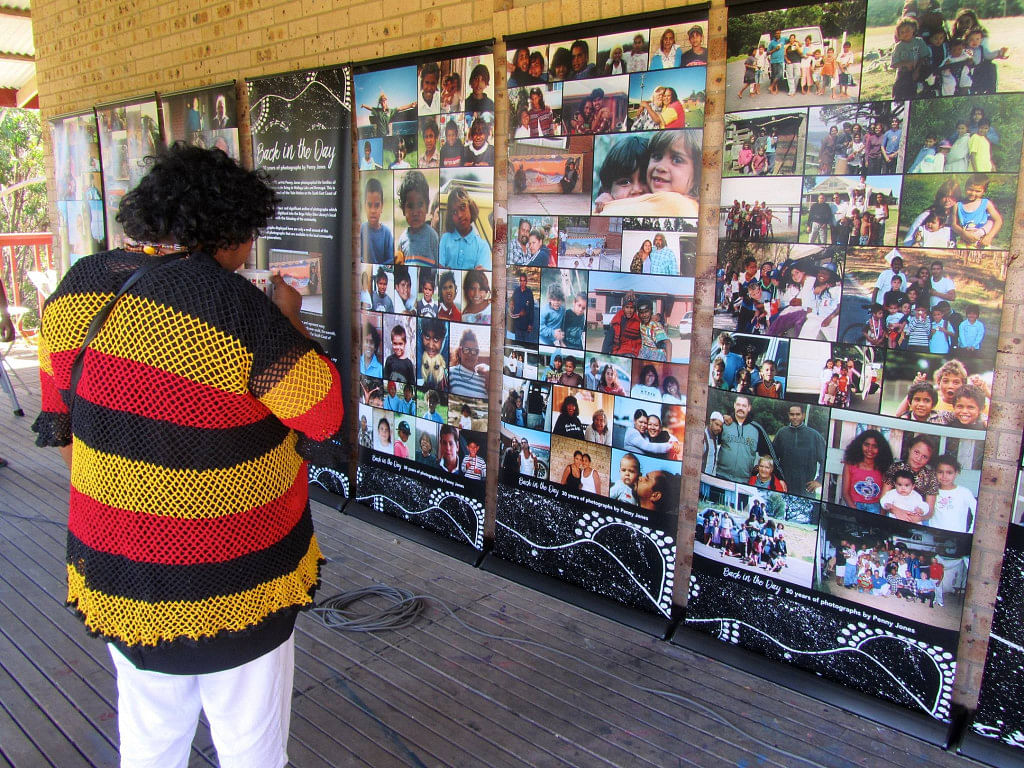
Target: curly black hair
point(198, 198)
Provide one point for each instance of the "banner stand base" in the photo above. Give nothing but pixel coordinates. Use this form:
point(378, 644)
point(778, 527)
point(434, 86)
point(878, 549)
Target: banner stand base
point(648, 623)
point(333, 500)
point(894, 716)
point(407, 530)
point(989, 751)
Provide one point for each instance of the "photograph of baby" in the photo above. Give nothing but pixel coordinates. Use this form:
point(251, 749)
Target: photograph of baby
point(918, 472)
point(757, 529)
point(767, 142)
point(647, 174)
point(892, 567)
point(648, 482)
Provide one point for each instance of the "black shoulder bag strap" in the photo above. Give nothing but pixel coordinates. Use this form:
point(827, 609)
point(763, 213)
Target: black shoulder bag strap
point(104, 313)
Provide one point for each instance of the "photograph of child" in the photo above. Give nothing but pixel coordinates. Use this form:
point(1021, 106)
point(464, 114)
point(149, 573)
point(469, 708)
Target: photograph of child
point(803, 56)
point(893, 567)
point(609, 374)
point(938, 389)
point(754, 211)
point(836, 375)
point(752, 365)
point(376, 232)
point(563, 307)
point(766, 142)
point(647, 174)
point(870, 450)
point(414, 192)
point(923, 300)
point(966, 210)
point(850, 210)
point(597, 105)
point(857, 138)
point(757, 529)
point(968, 134)
point(399, 348)
point(659, 382)
point(432, 405)
point(627, 471)
point(919, 50)
point(432, 353)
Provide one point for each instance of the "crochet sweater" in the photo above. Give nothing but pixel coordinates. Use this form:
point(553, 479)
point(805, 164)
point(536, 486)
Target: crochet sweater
point(190, 541)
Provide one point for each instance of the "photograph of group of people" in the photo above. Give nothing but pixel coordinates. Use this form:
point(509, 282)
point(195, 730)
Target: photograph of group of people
point(425, 279)
point(604, 171)
point(916, 573)
point(749, 526)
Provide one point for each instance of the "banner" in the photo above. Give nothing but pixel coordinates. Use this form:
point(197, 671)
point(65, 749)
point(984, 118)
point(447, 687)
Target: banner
point(870, 178)
point(1000, 713)
point(204, 117)
point(604, 170)
point(129, 132)
point(425, 142)
point(76, 152)
point(300, 123)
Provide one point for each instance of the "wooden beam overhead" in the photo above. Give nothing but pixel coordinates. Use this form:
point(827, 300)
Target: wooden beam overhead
point(6, 56)
point(16, 13)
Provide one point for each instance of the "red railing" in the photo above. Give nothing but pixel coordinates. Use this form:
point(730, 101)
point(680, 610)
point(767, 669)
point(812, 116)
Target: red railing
point(41, 244)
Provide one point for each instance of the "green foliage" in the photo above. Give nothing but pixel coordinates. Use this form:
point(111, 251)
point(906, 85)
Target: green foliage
point(23, 206)
point(833, 18)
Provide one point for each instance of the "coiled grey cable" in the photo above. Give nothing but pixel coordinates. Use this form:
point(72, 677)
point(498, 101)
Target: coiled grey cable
point(406, 608)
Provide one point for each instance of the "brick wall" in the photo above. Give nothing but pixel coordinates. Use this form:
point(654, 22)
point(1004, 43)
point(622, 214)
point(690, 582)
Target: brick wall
point(91, 52)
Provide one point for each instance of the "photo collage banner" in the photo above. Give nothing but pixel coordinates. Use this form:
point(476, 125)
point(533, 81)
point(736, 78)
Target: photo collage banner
point(129, 132)
point(604, 165)
point(80, 227)
point(203, 117)
point(869, 183)
point(1000, 713)
point(425, 148)
point(301, 133)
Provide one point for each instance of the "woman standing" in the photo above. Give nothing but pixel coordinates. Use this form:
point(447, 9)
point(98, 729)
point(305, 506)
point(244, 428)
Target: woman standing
point(641, 263)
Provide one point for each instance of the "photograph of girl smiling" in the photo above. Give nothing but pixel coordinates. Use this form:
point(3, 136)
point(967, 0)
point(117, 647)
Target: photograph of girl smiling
point(648, 174)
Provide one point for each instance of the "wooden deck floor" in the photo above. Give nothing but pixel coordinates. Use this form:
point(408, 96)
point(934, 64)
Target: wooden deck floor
point(539, 683)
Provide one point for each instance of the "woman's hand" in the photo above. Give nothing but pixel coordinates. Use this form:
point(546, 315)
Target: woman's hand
point(289, 301)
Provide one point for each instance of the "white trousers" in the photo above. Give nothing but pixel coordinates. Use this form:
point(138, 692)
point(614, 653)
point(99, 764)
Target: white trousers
point(248, 708)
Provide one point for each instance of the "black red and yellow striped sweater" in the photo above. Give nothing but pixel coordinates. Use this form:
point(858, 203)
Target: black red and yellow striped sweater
point(190, 541)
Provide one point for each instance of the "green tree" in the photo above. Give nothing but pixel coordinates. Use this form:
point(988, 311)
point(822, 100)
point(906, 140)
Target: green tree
point(23, 205)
